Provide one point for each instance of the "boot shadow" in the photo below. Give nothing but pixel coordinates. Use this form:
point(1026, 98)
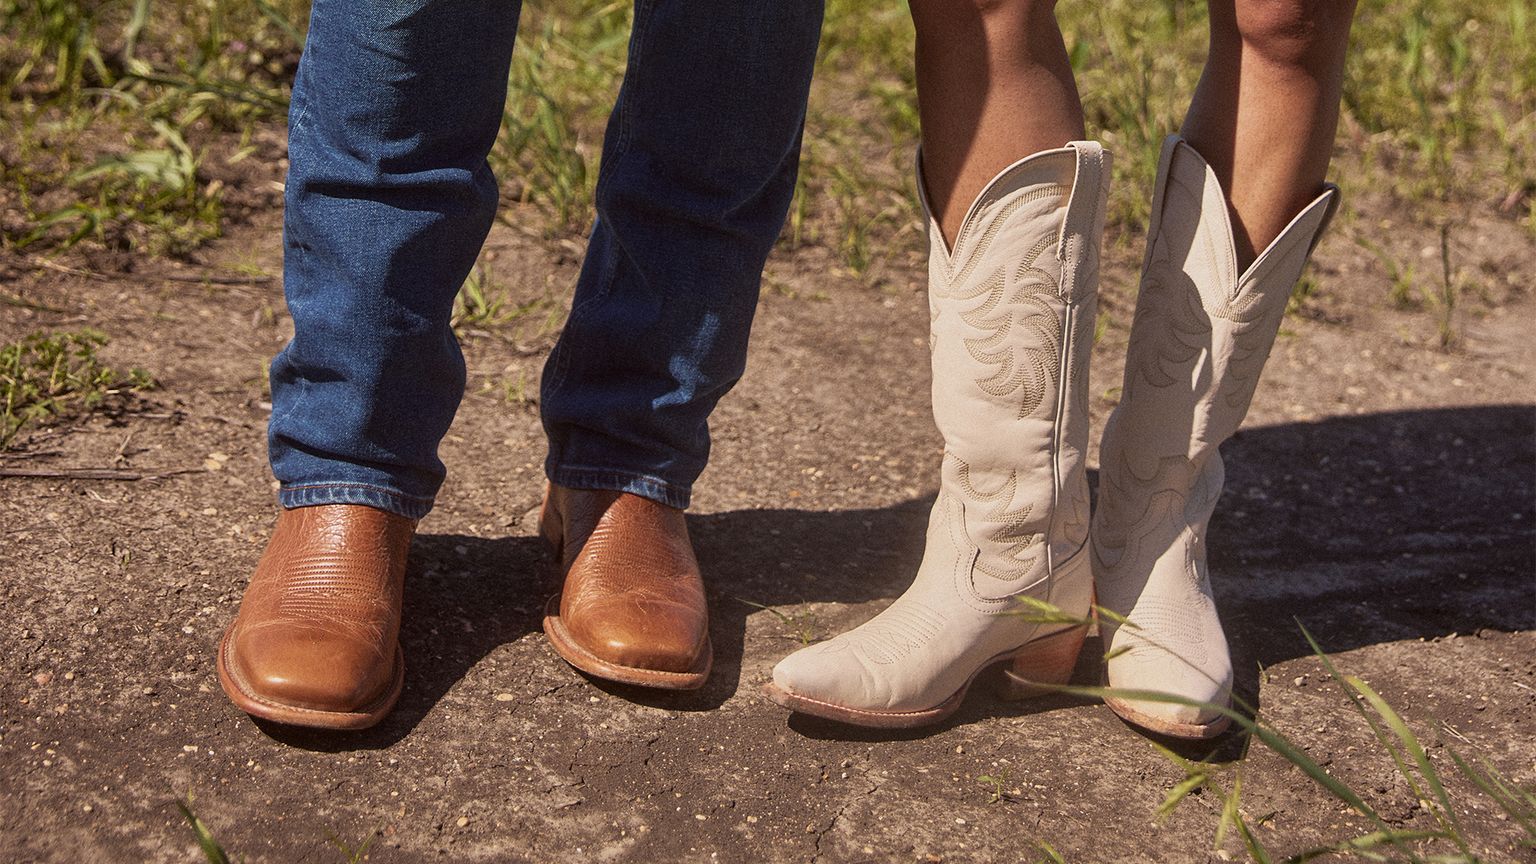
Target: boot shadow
point(464, 597)
point(1366, 529)
point(1362, 529)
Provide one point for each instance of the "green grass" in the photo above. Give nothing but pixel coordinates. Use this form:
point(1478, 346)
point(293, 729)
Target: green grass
point(51, 376)
point(485, 306)
point(118, 106)
point(1445, 841)
point(113, 109)
point(801, 627)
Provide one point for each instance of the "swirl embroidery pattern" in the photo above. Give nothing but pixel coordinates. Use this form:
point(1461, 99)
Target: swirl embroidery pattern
point(1018, 353)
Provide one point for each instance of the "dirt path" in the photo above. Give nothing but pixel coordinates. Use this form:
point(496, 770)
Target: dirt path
point(1381, 493)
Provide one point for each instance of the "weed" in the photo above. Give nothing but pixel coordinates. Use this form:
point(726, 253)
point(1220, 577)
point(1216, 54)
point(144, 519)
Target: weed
point(103, 100)
point(801, 625)
point(514, 387)
point(1306, 289)
point(156, 188)
point(996, 786)
point(1050, 853)
point(1408, 756)
point(214, 853)
point(565, 72)
point(45, 376)
point(480, 301)
point(1403, 294)
point(356, 853)
point(484, 306)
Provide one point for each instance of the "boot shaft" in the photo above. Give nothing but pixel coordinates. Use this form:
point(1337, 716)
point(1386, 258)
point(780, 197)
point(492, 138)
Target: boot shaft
point(1012, 307)
point(1202, 330)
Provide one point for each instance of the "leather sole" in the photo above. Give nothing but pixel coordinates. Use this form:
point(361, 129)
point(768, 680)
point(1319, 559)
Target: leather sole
point(1046, 661)
point(1168, 728)
point(295, 715)
point(573, 653)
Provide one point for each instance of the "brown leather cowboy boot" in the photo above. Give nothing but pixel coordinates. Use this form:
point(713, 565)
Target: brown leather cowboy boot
point(632, 608)
point(316, 641)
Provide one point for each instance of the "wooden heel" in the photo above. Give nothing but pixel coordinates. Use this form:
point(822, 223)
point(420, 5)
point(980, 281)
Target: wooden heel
point(1043, 662)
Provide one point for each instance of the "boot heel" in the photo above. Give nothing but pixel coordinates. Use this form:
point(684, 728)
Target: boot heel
point(1047, 661)
point(549, 523)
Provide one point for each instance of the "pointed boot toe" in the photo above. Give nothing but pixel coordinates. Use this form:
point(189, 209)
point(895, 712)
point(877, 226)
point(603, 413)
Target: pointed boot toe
point(1199, 340)
point(1012, 310)
point(1174, 719)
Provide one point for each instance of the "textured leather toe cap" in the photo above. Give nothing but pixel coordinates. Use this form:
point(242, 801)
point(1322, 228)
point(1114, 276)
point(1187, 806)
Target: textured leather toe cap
point(312, 670)
point(641, 633)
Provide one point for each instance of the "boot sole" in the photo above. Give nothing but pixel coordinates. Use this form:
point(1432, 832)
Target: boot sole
point(1168, 728)
point(296, 715)
point(578, 656)
point(1038, 664)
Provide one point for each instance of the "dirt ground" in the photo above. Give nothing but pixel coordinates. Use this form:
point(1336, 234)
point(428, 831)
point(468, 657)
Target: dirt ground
point(1381, 494)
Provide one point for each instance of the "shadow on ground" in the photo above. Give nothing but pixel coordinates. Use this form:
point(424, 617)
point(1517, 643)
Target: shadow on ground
point(1363, 529)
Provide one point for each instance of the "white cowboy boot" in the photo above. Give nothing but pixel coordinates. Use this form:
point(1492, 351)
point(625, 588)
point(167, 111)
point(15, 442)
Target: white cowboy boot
point(1199, 340)
point(1012, 324)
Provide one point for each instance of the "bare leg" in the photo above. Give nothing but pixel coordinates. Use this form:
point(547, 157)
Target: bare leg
point(994, 85)
point(1265, 112)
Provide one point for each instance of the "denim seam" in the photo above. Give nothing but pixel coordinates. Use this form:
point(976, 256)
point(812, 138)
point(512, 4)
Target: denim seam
point(373, 487)
point(576, 476)
point(298, 122)
point(394, 501)
point(641, 25)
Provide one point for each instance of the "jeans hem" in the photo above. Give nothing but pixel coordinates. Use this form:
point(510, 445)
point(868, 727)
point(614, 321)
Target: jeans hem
point(608, 479)
point(378, 497)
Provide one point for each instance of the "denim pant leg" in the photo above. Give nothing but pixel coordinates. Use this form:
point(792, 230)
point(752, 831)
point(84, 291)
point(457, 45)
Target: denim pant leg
point(698, 171)
point(389, 198)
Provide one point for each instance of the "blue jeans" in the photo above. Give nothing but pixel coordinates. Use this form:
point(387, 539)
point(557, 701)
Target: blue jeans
point(389, 198)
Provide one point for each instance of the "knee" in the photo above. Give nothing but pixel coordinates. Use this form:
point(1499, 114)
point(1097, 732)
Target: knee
point(998, 19)
point(1293, 32)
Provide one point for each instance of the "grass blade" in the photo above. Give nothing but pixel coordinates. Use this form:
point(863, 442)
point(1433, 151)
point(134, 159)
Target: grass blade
point(1411, 743)
point(270, 12)
point(1363, 845)
point(1271, 738)
point(1492, 786)
point(211, 848)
